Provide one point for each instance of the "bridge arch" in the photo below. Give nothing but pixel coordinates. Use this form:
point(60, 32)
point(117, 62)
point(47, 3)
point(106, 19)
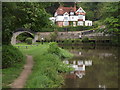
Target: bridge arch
point(20, 31)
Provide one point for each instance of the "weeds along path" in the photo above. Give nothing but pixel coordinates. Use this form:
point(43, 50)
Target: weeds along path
point(20, 81)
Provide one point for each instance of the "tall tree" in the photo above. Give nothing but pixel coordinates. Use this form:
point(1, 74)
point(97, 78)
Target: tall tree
point(23, 15)
point(111, 17)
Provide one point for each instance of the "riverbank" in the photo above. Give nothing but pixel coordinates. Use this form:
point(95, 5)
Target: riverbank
point(46, 72)
point(10, 74)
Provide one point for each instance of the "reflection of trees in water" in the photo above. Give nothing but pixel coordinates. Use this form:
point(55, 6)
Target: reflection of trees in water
point(104, 71)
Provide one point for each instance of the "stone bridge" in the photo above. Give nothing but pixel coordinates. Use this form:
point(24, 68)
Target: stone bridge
point(64, 35)
point(60, 35)
point(15, 34)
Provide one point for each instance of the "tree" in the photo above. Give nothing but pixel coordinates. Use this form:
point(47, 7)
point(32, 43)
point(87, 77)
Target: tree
point(112, 17)
point(23, 15)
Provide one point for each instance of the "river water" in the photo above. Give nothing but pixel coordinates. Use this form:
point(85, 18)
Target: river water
point(95, 67)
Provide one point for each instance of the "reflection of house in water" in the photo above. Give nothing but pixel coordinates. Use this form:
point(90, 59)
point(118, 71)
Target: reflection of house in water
point(102, 86)
point(79, 67)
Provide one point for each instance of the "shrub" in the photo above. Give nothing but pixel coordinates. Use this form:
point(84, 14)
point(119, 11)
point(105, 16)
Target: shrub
point(85, 39)
point(29, 40)
point(53, 48)
point(10, 56)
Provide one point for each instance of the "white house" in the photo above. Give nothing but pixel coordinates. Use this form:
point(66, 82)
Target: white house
point(70, 16)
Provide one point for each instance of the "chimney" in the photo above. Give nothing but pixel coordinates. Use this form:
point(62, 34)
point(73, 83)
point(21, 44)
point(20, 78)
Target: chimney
point(60, 5)
point(75, 6)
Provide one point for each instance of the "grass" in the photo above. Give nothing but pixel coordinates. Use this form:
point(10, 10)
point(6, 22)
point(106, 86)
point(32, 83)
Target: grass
point(10, 74)
point(48, 66)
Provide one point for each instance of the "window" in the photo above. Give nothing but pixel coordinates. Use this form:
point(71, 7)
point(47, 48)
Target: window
point(88, 24)
point(71, 13)
point(65, 18)
point(80, 23)
point(65, 23)
point(80, 16)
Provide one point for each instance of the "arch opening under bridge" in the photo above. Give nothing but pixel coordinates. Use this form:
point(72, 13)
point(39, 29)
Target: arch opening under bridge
point(20, 31)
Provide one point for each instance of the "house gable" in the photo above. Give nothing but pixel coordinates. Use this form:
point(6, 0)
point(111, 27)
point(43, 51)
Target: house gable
point(80, 11)
point(65, 14)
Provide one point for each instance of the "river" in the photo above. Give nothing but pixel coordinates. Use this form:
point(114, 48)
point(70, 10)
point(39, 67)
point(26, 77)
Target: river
point(95, 67)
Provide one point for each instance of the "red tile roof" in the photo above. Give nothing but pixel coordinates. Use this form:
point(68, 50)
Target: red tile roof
point(62, 10)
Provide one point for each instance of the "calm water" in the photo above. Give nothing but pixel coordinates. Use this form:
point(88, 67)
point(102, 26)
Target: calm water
point(95, 67)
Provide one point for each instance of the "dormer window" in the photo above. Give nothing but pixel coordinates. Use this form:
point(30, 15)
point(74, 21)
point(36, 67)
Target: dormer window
point(71, 13)
point(66, 14)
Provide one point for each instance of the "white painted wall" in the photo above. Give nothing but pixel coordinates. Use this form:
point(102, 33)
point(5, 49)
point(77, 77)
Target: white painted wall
point(66, 18)
point(60, 18)
point(73, 18)
point(70, 18)
point(88, 23)
point(80, 23)
point(83, 18)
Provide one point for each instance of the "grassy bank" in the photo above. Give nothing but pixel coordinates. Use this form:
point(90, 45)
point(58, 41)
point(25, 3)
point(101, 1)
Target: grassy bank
point(12, 64)
point(48, 66)
point(11, 73)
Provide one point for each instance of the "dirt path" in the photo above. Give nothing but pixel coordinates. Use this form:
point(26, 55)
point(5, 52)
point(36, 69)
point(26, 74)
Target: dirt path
point(21, 80)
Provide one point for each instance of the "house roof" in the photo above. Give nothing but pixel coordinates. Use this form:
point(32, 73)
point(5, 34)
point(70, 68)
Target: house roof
point(62, 10)
point(80, 11)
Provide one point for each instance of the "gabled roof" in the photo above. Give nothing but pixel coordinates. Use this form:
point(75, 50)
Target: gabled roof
point(66, 13)
point(80, 11)
point(62, 10)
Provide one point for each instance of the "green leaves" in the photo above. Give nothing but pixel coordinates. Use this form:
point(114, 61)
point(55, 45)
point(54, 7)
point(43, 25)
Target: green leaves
point(24, 15)
point(11, 55)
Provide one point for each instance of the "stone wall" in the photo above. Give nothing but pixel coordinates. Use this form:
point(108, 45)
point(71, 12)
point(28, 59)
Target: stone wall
point(47, 35)
point(60, 36)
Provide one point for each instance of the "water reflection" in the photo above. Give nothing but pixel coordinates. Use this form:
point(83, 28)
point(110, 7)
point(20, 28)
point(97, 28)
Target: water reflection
point(94, 68)
point(79, 67)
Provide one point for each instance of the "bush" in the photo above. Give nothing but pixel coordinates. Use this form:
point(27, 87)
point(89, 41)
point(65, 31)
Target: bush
point(29, 40)
point(85, 39)
point(53, 48)
point(10, 56)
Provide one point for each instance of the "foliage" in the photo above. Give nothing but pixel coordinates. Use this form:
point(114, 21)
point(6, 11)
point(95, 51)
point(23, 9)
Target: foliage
point(23, 15)
point(48, 66)
point(11, 73)
point(92, 10)
point(85, 39)
point(11, 55)
point(22, 37)
point(29, 40)
point(54, 35)
point(53, 48)
point(111, 17)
